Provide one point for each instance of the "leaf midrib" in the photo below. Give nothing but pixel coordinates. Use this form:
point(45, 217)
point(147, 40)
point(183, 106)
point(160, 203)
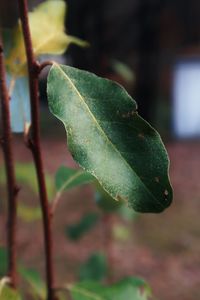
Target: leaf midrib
point(100, 128)
point(84, 292)
point(69, 180)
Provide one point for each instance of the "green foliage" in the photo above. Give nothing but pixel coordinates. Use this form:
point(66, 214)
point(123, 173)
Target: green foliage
point(6, 293)
point(3, 261)
point(76, 231)
point(67, 178)
point(95, 268)
point(129, 288)
point(108, 138)
point(47, 32)
point(34, 280)
point(26, 175)
point(48, 37)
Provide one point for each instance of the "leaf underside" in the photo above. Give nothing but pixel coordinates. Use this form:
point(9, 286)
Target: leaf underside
point(108, 138)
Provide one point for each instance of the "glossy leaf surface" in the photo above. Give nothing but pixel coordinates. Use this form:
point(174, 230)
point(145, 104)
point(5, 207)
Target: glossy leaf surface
point(129, 288)
point(108, 138)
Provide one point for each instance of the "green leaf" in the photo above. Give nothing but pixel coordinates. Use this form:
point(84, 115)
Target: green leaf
point(95, 268)
point(108, 138)
point(7, 293)
point(47, 33)
point(67, 178)
point(33, 278)
point(25, 174)
point(76, 231)
point(3, 261)
point(130, 288)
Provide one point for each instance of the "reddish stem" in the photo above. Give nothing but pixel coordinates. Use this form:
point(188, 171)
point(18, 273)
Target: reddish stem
point(35, 146)
point(12, 188)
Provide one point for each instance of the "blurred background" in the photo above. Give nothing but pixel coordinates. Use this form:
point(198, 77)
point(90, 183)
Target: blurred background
point(152, 48)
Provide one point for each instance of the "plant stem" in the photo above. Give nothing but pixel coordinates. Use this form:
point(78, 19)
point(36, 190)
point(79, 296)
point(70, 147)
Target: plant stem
point(35, 146)
point(12, 188)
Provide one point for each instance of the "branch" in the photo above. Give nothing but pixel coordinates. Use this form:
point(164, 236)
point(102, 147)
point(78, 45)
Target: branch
point(34, 144)
point(6, 142)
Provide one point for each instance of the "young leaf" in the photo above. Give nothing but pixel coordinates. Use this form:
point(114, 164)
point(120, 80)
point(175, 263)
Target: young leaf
point(95, 268)
point(76, 231)
point(67, 178)
point(108, 138)
point(47, 32)
point(33, 278)
point(129, 288)
point(7, 293)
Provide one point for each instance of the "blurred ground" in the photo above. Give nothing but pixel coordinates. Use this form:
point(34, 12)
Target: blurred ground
point(164, 249)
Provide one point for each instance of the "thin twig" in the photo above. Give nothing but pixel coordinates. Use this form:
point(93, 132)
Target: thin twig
point(6, 142)
point(35, 146)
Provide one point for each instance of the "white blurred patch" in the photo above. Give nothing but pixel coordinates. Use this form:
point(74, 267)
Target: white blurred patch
point(186, 99)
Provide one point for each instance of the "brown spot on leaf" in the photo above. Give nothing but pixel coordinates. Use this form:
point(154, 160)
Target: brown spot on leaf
point(166, 193)
point(157, 179)
point(141, 135)
point(121, 198)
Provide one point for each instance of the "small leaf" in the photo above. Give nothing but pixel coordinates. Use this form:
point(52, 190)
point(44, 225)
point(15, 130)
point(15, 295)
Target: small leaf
point(33, 278)
point(108, 138)
point(76, 231)
point(7, 293)
point(130, 288)
point(67, 178)
point(3, 261)
point(47, 32)
point(95, 268)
